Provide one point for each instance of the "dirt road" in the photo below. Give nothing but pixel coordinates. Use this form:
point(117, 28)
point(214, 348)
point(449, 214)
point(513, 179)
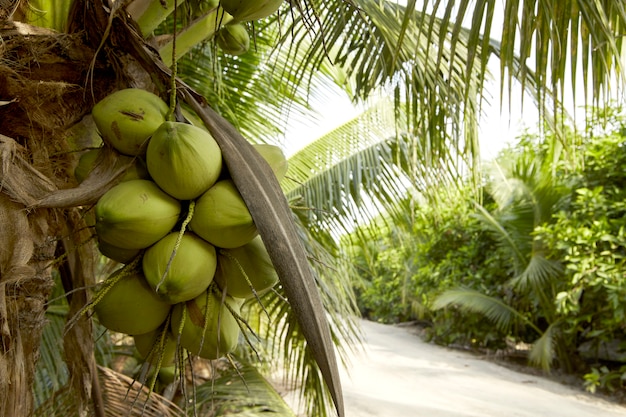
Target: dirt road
point(399, 375)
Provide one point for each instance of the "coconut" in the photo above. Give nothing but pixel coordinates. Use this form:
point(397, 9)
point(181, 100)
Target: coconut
point(167, 374)
point(120, 255)
point(242, 269)
point(222, 218)
point(184, 160)
point(274, 157)
point(135, 214)
point(244, 10)
point(222, 330)
point(127, 118)
point(146, 342)
point(188, 274)
point(233, 39)
point(131, 307)
point(136, 169)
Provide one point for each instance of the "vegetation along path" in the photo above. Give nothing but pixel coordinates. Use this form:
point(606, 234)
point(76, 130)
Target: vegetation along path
point(397, 374)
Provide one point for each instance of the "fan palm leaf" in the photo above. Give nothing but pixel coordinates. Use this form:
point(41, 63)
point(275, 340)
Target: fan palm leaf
point(507, 239)
point(539, 275)
point(542, 351)
point(496, 310)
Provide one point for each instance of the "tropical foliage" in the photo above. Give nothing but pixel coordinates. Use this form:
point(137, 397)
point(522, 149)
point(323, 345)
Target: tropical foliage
point(541, 258)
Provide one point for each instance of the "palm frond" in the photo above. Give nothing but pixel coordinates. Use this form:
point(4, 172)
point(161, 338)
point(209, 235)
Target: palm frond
point(496, 310)
point(542, 352)
point(504, 236)
point(122, 397)
point(362, 168)
point(51, 372)
point(539, 275)
point(434, 95)
point(240, 392)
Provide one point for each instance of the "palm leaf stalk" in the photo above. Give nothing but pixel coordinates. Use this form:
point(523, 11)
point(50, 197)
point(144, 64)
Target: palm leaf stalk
point(150, 14)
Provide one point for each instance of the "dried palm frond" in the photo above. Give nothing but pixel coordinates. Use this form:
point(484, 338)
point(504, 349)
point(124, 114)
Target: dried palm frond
point(122, 397)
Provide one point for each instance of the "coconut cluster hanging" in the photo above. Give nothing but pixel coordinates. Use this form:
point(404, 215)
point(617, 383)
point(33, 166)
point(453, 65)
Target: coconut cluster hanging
point(191, 250)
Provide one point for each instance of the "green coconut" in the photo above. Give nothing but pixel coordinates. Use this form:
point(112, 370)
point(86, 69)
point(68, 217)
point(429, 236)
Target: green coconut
point(136, 168)
point(245, 10)
point(184, 160)
point(222, 218)
point(245, 270)
point(221, 334)
point(131, 307)
point(120, 255)
point(188, 274)
point(233, 39)
point(146, 342)
point(167, 374)
point(135, 214)
point(274, 157)
point(127, 118)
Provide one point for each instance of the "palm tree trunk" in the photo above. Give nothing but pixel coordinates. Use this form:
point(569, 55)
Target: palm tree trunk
point(25, 284)
point(45, 89)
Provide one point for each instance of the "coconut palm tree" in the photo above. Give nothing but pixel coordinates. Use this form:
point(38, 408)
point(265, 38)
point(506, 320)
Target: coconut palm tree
point(59, 58)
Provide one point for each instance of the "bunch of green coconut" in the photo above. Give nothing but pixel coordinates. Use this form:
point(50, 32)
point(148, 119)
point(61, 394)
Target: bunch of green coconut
point(191, 252)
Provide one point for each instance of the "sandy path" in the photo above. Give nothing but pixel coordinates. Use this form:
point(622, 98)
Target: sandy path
point(399, 375)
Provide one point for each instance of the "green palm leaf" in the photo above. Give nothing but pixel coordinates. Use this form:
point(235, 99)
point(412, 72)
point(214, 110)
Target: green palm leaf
point(240, 392)
point(542, 352)
point(507, 239)
point(539, 275)
point(493, 308)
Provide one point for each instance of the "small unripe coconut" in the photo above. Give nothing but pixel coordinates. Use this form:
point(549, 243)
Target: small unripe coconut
point(233, 39)
point(222, 331)
point(127, 118)
point(184, 160)
point(167, 374)
point(244, 10)
point(131, 307)
point(136, 169)
point(135, 214)
point(146, 342)
point(242, 269)
point(120, 255)
point(222, 218)
point(190, 272)
point(274, 157)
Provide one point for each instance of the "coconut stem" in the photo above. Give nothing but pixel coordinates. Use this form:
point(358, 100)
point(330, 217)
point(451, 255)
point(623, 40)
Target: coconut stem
point(200, 30)
point(180, 356)
point(170, 114)
point(207, 316)
point(161, 352)
point(179, 238)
